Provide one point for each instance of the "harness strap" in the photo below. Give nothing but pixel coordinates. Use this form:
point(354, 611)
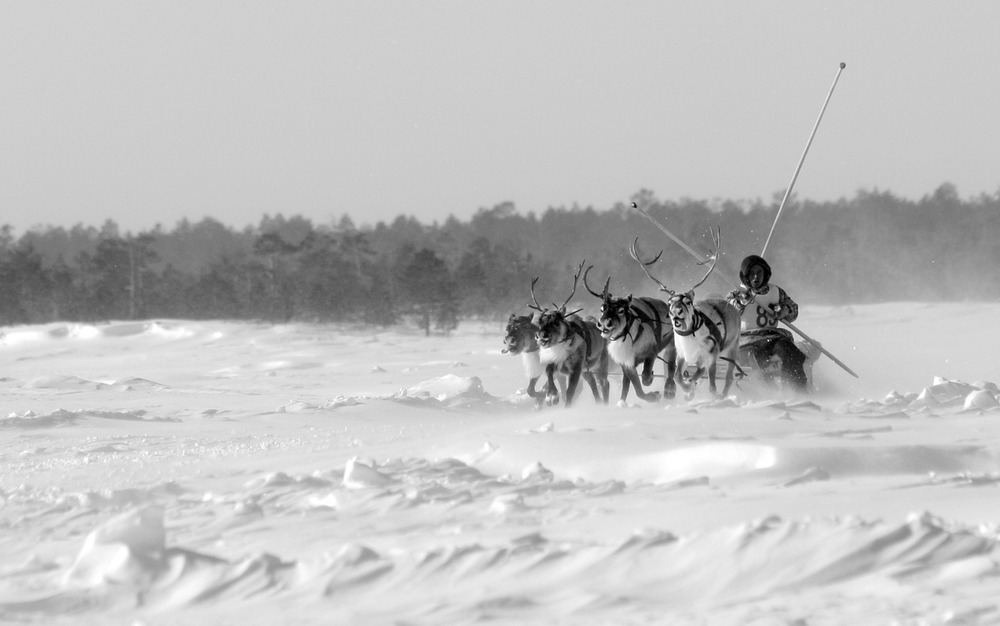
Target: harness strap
point(579, 329)
point(632, 314)
point(657, 324)
point(713, 329)
point(654, 321)
point(642, 324)
point(722, 322)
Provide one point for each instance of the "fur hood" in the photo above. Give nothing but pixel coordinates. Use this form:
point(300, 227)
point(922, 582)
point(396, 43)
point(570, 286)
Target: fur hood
point(751, 261)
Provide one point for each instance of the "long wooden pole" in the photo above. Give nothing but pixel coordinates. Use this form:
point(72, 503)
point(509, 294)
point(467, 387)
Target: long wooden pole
point(802, 159)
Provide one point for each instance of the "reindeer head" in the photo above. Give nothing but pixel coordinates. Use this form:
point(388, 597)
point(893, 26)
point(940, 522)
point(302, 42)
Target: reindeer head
point(552, 326)
point(520, 334)
point(681, 309)
point(615, 312)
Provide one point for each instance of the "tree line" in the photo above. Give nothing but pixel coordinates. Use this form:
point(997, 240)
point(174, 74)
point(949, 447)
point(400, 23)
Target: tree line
point(871, 248)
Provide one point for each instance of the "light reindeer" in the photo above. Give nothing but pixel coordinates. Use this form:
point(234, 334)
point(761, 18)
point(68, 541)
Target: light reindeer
point(519, 339)
point(638, 331)
point(572, 346)
point(704, 331)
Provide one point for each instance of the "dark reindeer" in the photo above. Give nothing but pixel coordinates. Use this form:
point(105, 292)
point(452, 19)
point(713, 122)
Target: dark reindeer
point(704, 331)
point(637, 331)
point(573, 346)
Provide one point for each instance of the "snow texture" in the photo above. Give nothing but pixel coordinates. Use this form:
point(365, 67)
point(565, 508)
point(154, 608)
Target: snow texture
point(175, 472)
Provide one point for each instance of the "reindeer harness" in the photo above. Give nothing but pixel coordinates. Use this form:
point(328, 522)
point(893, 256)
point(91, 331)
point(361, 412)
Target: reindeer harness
point(632, 314)
point(577, 328)
point(700, 319)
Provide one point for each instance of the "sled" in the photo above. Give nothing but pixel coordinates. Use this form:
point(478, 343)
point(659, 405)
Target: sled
point(765, 379)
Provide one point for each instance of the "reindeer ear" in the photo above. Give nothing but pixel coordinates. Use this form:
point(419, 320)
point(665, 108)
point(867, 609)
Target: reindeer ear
point(690, 294)
point(629, 298)
point(531, 316)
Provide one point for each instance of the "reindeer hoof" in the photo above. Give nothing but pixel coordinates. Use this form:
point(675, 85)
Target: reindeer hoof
point(647, 379)
point(653, 396)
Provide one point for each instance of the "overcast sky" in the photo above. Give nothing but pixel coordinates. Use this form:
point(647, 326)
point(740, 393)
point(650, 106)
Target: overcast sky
point(150, 112)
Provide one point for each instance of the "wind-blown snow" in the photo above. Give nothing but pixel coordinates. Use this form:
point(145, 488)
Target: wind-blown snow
point(206, 472)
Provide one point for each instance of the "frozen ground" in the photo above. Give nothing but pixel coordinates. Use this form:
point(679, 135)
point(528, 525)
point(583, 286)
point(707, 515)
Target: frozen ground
point(177, 472)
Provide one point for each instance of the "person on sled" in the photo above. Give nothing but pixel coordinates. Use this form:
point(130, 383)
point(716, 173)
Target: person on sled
point(762, 305)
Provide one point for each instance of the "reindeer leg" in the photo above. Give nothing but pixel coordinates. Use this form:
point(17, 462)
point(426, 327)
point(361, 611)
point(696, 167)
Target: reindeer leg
point(669, 371)
point(730, 373)
point(712, 368)
point(602, 377)
point(533, 393)
point(680, 376)
point(648, 396)
point(626, 383)
point(647, 370)
point(695, 377)
point(592, 382)
point(632, 375)
point(551, 393)
point(603, 387)
point(574, 380)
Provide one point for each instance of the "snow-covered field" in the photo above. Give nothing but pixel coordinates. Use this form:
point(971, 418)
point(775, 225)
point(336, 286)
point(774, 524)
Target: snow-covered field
point(177, 472)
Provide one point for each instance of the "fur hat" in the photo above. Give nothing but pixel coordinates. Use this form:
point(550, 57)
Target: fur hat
point(751, 261)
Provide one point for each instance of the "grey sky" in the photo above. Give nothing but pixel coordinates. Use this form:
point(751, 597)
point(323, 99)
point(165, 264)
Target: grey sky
point(150, 112)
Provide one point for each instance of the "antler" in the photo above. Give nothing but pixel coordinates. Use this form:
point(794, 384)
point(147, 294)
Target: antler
point(714, 257)
point(534, 303)
point(576, 280)
point(603, 296)
point(633, 250)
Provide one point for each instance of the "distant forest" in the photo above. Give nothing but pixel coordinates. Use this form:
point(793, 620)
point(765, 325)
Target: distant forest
point(872, 248)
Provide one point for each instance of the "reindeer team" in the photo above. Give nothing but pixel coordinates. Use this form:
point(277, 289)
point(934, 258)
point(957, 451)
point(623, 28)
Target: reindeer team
point(689, 336)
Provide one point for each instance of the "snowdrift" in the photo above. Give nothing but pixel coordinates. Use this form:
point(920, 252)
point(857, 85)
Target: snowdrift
point(210, 472)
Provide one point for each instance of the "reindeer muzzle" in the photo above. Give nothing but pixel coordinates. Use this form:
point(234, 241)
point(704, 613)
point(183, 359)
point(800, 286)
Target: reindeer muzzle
point(511, 344)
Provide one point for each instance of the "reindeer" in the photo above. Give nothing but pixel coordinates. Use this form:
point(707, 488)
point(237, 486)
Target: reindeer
point(704, 331)
point(573, 346)
point(519, 339)
point(637, 331)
